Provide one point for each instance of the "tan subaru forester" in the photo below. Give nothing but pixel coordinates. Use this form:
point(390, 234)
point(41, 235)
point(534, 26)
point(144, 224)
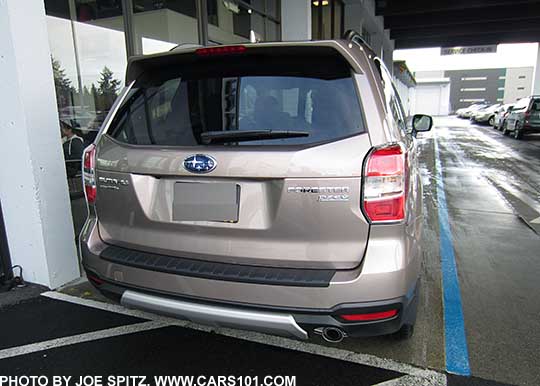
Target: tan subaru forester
point(270, 187)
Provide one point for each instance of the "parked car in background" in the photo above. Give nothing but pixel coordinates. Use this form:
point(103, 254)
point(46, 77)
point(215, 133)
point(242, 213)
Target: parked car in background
point(486, 114)
point(77, 116)
point(524, 118)
point(286, 214)
point(467, 111)
point(501, 114)
point(89, 133)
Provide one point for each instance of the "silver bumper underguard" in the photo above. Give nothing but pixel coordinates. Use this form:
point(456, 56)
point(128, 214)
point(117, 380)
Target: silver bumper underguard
point(218, 316)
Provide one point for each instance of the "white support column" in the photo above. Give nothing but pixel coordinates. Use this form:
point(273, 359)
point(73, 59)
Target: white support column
point(295, 20)
point(33, 185)
point(536, 77)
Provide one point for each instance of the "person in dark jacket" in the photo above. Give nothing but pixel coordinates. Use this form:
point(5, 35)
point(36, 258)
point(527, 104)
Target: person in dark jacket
point(73, 146)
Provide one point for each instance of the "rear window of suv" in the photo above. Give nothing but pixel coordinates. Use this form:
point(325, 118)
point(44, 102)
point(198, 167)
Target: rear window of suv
point(174, 106)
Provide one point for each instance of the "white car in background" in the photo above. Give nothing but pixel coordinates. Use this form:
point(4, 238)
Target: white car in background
point(501, 114)
point(486, 114)
point(467, 111)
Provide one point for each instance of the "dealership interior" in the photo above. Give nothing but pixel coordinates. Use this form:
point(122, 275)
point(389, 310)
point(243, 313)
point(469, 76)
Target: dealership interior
point(63, 66)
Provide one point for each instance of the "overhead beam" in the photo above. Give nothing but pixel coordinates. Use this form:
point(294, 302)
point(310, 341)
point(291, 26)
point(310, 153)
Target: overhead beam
point(390, 8)
point(458, 17)
point(478, 28)
point(469, 40)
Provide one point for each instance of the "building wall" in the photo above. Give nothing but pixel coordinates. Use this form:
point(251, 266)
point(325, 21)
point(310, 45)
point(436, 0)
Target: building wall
point(405, 95)
point(518, 83)
point(418, 75)
point(470, 86)
point(432, 98)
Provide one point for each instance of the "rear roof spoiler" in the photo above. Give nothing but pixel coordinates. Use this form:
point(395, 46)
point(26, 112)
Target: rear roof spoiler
point(185, 54)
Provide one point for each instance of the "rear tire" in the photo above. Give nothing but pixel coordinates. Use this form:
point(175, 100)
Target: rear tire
point(518, 134)
point(405, 332)
point(491, 121)
point(505, 128)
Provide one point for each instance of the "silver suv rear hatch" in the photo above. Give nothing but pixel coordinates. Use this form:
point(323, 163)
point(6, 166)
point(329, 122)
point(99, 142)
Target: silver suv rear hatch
point(252, 156)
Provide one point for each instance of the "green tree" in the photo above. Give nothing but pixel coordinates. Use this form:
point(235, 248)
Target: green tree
point(95, 97)
point(62, 84)
point(107, 85)
point(107, 89)
point(87, 98)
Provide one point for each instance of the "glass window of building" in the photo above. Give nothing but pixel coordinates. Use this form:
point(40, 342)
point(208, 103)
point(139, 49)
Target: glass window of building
point(88, 57)
point(161, 25)
point(240, 21)
point(327, 19)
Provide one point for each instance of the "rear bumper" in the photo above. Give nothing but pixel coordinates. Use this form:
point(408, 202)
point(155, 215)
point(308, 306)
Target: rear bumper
point(528, 128)
point(386, 280)
point(287, 322)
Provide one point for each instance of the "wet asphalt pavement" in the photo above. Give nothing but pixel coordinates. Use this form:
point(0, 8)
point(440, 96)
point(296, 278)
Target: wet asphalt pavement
point(492, 185)
point(492, 188)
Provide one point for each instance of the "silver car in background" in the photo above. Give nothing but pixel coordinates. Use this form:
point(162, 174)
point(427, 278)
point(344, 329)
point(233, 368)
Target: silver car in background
point(242, 186)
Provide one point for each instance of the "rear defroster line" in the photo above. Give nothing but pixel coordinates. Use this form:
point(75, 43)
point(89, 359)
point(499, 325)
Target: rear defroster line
point(457, 354)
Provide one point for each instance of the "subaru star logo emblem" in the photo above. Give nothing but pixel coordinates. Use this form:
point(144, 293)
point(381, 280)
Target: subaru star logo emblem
point(199, 163)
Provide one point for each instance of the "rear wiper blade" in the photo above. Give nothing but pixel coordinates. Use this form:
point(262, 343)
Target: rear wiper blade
point(209, 137)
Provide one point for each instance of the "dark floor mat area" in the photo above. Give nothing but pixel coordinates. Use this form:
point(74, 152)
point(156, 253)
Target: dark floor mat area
point(180, 351)
point(42, 318)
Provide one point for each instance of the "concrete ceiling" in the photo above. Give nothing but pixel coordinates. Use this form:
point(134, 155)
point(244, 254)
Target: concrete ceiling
point(449, 23)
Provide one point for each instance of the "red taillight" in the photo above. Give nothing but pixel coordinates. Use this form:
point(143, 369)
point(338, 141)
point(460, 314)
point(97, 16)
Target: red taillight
point(94, 279)
point(385, 184)
point(220, 50)
point(369, 317)
point(89, 173)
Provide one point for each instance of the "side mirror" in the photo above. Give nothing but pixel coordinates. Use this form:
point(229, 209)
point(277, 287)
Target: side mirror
point(420, 123)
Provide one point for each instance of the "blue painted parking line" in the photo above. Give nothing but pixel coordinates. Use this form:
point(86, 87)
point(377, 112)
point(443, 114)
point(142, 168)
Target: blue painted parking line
point(457, 354)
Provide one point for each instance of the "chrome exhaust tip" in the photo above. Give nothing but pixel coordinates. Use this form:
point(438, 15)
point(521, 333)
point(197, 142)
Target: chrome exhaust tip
point(331, 334)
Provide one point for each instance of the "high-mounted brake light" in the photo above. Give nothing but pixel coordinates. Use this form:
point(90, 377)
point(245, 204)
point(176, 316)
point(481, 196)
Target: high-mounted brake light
point(385, 184)
point(369, 317)
point(89, 173)
point(220, 50)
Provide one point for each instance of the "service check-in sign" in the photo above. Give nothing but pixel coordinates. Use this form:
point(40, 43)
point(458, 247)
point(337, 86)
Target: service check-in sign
point(488, 49)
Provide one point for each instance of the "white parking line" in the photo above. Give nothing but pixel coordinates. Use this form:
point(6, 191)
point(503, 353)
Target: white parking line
point(421, 376)
point(407, 380)
point(80, 338)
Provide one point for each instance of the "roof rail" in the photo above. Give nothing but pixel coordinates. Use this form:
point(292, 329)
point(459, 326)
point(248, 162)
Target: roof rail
point(353, 36)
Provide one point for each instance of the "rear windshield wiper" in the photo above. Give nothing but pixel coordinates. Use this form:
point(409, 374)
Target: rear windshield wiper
point(209, 137)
